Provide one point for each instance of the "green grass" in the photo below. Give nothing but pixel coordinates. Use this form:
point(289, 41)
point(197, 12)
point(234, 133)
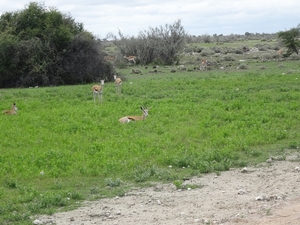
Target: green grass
point(199, 122)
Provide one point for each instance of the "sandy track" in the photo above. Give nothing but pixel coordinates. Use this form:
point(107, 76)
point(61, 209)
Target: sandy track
point(266, 194)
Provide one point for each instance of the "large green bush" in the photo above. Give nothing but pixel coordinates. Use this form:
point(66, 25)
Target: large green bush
point(43, 47)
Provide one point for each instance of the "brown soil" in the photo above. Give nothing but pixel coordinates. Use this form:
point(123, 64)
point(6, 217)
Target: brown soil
point(266, 194)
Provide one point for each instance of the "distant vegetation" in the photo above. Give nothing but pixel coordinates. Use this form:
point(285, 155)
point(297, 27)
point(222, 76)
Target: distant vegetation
point(41, 46)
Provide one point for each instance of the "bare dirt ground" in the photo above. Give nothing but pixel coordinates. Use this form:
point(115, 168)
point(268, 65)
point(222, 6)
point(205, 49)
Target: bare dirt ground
point(266, 194)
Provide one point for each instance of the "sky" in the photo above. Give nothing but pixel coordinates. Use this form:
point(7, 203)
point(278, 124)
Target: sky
point(198, 17)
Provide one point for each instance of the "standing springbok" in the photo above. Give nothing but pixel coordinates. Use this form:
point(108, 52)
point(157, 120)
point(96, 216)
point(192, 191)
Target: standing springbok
point(203, 64)
point(280, 52)
point(98, 90)
point(131, 58)
point(12, 111)
point(118, 83)
point(127, 119)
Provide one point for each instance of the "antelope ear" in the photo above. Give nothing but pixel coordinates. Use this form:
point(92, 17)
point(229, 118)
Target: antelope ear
point(142, 108)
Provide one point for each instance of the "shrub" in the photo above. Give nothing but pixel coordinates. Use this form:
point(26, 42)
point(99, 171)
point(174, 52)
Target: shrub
point(238, 51)
point(295, 57)
point(228, 58)
point(217, 49)
point(113, 183)
point(243, 67)
point(207, 52)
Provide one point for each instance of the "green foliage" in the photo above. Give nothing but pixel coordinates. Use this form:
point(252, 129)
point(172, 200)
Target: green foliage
point(43, 47)
point(180, 185)
point(113, 183)
point(160, 44)
point(291, 40)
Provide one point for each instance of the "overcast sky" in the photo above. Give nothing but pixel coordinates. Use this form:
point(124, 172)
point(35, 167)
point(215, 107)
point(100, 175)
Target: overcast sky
point(198, 17)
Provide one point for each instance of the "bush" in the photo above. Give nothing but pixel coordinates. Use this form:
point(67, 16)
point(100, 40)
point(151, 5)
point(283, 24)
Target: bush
point(216, 49)
point(238, 51)
point(163, 43)
point(228, 58)
point(295, 57)
point(266, 56)
point(243, 67)
point(207, 52)
point(45, 47)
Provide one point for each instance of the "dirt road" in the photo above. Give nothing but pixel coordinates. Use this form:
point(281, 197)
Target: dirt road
point(266, 194)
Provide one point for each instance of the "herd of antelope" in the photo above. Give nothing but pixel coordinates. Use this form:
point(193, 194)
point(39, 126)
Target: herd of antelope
point(97, 90)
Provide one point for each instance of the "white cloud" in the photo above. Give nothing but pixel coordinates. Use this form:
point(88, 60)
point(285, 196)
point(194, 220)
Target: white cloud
point(198, 16)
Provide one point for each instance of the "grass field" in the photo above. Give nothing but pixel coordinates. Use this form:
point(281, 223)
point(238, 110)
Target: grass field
point(62, 148)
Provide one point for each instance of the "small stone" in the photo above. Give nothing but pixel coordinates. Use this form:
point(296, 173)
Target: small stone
point(37, 222)
point(269, 160)
point(241, 192)
point(244, 170)
point(259, 198)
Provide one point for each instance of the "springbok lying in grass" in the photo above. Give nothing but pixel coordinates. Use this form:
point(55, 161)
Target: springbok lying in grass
point(127, 119)
point(12, 111)
point(203, 64)
point(109, 58)
point(118, 83)
point(98, 90)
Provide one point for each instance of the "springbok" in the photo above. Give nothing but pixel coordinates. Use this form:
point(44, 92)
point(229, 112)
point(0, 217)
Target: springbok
point(109, 58)
point(203, 64)
point(98, 90)
point(131, 58)
point(127, 119)
point(118, 83)
point(280, 52)
point(12, 111)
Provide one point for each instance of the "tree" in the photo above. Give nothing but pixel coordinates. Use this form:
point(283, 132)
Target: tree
point(41, 46)
point(291, 40)
point(160, 44)
point(8, 60)
point(169, 39)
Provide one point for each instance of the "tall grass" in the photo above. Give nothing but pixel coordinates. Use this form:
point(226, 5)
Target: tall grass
point(62, 148)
